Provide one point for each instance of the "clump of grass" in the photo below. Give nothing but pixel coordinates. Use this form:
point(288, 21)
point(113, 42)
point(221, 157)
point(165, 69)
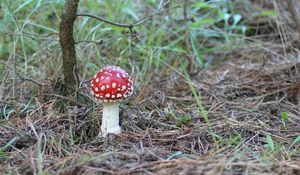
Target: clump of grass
point(183, 121)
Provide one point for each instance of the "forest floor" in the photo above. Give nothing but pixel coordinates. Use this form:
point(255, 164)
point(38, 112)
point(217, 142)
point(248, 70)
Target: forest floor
point(239, 115)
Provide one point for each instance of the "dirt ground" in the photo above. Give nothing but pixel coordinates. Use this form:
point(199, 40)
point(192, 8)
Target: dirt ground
point(244, 99)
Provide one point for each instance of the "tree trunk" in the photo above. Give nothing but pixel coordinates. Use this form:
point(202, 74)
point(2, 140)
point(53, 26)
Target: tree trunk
point(292, 7)
point(67, 43)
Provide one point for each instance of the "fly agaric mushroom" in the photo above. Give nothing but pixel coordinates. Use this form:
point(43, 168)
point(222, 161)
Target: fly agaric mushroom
point(110, 86)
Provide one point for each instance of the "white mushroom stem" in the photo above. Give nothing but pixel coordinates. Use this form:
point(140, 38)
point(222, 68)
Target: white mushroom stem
point(110, 119)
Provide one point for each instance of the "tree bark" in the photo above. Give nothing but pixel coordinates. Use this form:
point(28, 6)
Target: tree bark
point(292, 7)
point(67, 42)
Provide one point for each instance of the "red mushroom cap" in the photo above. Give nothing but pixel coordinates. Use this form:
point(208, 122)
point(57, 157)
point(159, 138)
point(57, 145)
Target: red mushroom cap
point(111, 84)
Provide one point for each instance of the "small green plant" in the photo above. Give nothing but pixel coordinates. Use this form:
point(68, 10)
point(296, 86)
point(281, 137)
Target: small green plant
point(197, 97)
point(234, 26)
point(275, 150)
point(232, 140)
point(296, 141)
point(170, 116)
point(284, 117)
point(270, 142)
point(183, 120)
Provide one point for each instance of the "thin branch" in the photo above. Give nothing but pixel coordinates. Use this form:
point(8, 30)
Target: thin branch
point(158, 11)
point(130, 26)
point(89, 41)
point(104, 20)
point(44, 36)
point(101, 42)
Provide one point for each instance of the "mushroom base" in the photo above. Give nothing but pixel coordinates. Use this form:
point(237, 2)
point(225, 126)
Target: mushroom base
point(110, 119)
point(104, 132)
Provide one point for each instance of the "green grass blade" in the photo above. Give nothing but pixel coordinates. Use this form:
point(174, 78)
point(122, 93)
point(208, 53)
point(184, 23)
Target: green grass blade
point(39, 156)
point(202, 109)
point(297, 140)
point(270, 142)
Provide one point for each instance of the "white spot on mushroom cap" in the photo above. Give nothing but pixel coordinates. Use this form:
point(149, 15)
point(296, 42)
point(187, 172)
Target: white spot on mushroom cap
point(114, 85)
point(97, 95)
point(102, 78)
point(96, 89)
point(119, 95)
point(107, 95)
point(97, 80)
point(118, 75)
point(102, 88)
point(113, 96)
point(107, 86)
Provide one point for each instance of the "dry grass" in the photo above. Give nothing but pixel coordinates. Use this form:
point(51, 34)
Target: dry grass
point(244, 99)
